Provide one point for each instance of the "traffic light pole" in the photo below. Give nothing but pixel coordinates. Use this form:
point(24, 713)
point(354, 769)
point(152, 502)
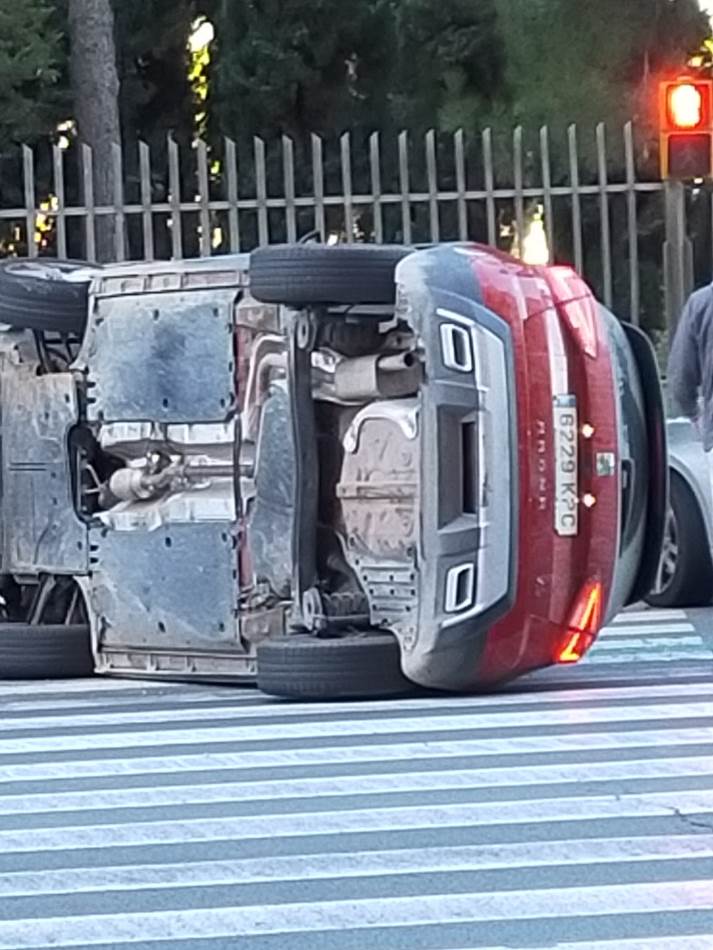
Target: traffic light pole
point(677, 255)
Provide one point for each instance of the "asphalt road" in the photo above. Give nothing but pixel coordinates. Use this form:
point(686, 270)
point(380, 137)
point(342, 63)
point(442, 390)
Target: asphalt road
point(575, 810)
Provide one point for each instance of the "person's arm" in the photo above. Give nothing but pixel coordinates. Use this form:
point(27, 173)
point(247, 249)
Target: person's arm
point(684, 367)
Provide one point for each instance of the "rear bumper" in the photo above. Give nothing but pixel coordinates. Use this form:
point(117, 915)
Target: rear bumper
point(470, 499)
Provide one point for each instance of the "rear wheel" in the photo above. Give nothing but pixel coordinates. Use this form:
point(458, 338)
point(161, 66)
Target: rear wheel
point(298, 275)
point(45, 651)
point(685, 574)
point(350, 667)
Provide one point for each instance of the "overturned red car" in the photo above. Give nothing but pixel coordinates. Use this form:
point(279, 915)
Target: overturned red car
point(340, 470)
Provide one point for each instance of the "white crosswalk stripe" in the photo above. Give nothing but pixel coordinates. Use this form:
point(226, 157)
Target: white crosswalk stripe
point(155, 817)
point(649, 636)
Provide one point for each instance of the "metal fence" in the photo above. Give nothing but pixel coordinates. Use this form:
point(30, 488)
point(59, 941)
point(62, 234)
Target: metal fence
point(593, 207)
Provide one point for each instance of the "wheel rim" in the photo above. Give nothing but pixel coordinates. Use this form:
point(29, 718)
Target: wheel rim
point(669, 556)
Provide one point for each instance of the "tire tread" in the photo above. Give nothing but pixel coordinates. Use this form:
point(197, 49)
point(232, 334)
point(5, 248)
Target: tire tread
point(305, 667)
point(301, 274)
point(30, 651)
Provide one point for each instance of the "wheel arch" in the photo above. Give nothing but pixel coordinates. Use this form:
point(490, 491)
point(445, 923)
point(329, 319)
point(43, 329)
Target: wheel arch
point(681, 473)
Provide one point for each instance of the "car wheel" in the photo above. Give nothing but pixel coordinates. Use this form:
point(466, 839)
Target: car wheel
point(685, 574)
point(301, 274)
point(45, 294)
point(51, 651)
point(349, 667)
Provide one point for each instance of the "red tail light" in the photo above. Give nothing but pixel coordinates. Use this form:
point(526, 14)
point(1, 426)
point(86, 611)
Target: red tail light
point(583, 625)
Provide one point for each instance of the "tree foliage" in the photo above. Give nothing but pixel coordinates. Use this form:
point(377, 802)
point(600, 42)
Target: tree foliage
point(329, 65)
point(586, 62)
point(296, 67)
point(31, 65)
point(450, 61)
point(152, 38)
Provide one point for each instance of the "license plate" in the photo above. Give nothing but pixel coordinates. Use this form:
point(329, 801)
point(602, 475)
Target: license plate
point(566, 467)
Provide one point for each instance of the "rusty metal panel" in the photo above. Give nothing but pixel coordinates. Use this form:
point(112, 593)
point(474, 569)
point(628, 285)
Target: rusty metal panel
point(166, 357)
point(172, 588)
point(40, 528)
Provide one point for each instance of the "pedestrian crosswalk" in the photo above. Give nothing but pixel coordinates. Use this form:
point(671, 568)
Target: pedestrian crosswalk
point(149, 816)
point(650, 636)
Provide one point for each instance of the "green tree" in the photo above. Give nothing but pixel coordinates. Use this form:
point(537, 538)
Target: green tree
point(152, 38)
point(450, 61)
point(32, 99)
point(295, 67)
point(590, 62)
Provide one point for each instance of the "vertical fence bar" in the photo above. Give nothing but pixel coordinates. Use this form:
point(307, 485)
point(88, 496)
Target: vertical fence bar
point(405, 185)
point(90, 233)
point(489, 186)
point(147, 212)
point(576, 200)
point(547, 189)
point(263, 226)
point(58, 176)
point(432, 178)
point(318, 186)
point(204, 199)
point(174, 184)
point(375, 168)
point(288, 175)
point(28, 172)
point(119, 216)
point(231, 172)
point(519, 182)
point(461, 184)
point(604, 216)
point(632, 224)
point(345, 147)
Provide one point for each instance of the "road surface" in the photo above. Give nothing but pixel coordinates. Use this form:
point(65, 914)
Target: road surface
point(574, 811)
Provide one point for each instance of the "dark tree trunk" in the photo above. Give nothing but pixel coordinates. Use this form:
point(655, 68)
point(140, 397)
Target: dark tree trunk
point(95, 86)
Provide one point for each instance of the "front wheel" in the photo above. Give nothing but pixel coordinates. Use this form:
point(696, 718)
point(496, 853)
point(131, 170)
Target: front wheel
point(356, 666)
point(685, 574)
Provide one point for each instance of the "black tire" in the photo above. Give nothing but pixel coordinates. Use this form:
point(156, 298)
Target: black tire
point(301, 274)
point(35, 294)
point(351, 667)
point(688, 581)
point(33, 651)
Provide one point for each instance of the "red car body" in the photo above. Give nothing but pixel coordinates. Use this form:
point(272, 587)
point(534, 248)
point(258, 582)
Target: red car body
point(564, 583)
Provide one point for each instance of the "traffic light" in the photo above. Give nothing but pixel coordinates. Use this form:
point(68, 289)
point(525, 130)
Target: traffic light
point(686, 125)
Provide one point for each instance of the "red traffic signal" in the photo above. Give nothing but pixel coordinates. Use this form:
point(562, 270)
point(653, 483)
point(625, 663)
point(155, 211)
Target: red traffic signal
point(686, 128)
point(687, 106)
